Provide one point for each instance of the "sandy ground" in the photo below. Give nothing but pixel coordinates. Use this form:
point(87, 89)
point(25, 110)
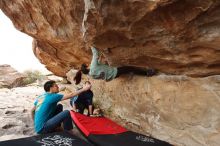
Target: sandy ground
point(15, 105)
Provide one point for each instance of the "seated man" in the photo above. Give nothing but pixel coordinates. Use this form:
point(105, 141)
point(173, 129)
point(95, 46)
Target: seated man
point(82, 101)
point(102, 71)
point(47, 114)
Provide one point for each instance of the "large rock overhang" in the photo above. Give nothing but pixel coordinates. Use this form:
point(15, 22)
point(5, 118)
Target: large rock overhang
point(174, 36)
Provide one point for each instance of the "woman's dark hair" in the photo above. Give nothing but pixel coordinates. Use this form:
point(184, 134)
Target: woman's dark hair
point(78, 77)
point(48, 85)
point(84, 69)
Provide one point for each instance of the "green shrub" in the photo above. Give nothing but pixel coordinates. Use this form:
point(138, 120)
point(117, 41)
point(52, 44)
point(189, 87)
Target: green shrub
point(32, 76)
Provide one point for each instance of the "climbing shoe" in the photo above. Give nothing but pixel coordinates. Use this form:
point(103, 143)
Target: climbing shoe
point(151, 72)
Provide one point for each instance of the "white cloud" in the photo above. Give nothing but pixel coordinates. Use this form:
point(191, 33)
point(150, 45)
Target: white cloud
point(16, 47)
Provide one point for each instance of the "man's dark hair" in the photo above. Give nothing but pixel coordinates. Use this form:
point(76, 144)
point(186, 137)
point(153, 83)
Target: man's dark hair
point(84, 69)
point(48, 85)
point(78, 77)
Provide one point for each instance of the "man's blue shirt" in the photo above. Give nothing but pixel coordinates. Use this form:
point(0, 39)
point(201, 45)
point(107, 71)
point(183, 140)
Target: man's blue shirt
point(45, 108)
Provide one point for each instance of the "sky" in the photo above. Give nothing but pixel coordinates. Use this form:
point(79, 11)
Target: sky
point(16, 47)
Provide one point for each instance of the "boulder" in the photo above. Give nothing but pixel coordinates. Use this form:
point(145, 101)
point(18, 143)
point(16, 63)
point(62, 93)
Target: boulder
point(179, 37)
point(9, 77)
point(181, 110)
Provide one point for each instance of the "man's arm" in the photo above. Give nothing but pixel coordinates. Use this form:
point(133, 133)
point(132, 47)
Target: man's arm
point(33, 112)
point(68, 96)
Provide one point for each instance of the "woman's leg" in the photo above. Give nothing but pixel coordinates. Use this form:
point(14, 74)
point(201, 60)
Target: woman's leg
point(129, 69)
point(135, 70)
point(85, 101)
point(78, 103)
point(74, 107)
point(90, 110)
point(89, 103)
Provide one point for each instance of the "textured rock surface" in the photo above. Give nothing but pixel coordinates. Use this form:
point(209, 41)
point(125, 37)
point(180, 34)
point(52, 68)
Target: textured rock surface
point(9, 77)
point(178, 109)
point(174, 36)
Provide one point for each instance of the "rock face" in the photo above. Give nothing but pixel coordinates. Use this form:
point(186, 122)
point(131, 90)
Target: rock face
point(173, 36)
point(181, 110)
point(9, 77)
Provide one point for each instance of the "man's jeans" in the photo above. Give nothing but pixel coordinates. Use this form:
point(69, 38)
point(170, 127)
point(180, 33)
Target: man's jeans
point(59, 117)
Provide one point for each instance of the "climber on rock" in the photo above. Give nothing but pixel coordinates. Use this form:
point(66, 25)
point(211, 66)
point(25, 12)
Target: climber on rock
point(98, 70)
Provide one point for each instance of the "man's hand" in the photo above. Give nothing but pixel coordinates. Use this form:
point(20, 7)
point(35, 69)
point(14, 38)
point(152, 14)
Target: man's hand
point(33, 112)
